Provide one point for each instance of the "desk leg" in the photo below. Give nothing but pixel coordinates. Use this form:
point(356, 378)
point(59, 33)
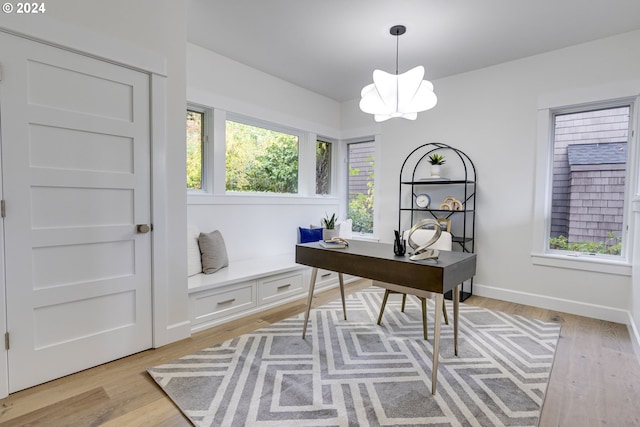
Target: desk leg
point(436, 343)
point(312, 285)
point(456, 307)
point(344, 305)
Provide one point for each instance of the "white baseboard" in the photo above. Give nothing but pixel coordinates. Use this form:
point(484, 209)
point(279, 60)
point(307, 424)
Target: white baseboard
point(550, 303)
point(634, 333)
point(176, 332)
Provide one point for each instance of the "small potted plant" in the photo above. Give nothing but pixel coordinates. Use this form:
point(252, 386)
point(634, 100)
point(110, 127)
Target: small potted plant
point(329, 226)
point(436, 160)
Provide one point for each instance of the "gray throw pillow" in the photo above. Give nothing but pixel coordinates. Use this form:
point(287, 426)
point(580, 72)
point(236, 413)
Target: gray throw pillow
point(214, 252)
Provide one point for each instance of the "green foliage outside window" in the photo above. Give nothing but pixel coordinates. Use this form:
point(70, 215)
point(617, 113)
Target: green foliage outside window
point(613, 247)
point(323, 167)
point(195, 136)
point(360, 208)
point(260, 160)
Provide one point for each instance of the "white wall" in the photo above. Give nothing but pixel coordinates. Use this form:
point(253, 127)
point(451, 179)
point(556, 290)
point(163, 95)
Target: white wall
point(635, 284)
point(150, 35)
point(252, 226)
point(217, 81)
point(491, 114)
point(251, 231)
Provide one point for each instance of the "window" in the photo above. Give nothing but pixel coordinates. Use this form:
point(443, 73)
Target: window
point(254, 160)
point(195, 149)
point(590, 149)
point(360, 184)
point(323, 167)
point(261, 159)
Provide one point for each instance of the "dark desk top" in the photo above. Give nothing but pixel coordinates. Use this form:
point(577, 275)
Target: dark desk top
point(377, 261)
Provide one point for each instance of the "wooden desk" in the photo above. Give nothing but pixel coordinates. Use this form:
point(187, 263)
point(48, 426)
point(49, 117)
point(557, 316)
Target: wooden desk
point(377, 261)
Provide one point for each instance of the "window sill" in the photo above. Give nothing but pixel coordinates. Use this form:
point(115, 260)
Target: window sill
point(258, 199)
point(364, 237)
point(582, 262)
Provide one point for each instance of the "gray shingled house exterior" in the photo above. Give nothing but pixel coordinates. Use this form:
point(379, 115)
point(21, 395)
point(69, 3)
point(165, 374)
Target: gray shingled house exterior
point(590, 157)
point(597, 182)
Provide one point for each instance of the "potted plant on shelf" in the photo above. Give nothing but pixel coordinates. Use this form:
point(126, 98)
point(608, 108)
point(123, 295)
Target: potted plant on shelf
point(436, 160)
point(329, 226)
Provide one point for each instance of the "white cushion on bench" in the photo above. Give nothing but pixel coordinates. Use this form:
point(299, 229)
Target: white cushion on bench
point(194, 262)
point(243, 270)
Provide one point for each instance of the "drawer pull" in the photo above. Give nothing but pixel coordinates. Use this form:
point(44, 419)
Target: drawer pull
point(325, 275)
point(284, 286)
point(227, 301)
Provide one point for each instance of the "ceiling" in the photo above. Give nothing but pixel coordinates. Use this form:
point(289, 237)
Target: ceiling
point(331, 47)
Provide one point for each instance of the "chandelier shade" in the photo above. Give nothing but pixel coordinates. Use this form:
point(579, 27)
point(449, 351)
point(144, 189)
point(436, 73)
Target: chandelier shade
point(398, 95)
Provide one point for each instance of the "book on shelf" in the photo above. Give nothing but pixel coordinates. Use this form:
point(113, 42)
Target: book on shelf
point(334, 244)
point(433, 178)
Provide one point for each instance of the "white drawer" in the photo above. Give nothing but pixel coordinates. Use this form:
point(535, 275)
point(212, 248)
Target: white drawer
point(216, 303)
point(274, 288)
point(326, 277)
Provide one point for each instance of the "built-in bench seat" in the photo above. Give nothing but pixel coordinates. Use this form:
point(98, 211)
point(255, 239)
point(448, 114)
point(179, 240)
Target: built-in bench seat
point(243, 270)
point(249, 286)
point(246, 286)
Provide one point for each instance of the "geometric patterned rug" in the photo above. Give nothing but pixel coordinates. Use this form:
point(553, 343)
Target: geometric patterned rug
point(356, 373)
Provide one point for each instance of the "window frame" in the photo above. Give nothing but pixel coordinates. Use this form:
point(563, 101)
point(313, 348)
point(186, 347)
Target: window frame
point(215, 166)
point(549, 106)
point(555, 113)
point(302, 141)
point(333, 175)
point(206, 130)
point(376, 184)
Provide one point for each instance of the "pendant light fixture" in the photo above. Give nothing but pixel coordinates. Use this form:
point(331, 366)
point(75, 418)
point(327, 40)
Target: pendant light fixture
point(398, 95)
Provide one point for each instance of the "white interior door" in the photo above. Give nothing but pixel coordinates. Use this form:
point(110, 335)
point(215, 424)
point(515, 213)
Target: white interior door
point(76, 181)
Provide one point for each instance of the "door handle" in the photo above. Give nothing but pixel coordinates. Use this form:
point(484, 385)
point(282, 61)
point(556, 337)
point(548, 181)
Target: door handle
point(143, 228)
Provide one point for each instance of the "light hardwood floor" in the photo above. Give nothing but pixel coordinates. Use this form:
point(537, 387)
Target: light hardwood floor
point(595, 379)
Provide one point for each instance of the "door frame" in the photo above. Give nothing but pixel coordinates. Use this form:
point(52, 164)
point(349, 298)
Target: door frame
point(84, 42)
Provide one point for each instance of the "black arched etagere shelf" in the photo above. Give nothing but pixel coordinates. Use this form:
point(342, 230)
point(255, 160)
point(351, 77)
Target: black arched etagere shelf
point(457, 180)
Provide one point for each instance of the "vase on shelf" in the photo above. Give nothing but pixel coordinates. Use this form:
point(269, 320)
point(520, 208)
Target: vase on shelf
point(435, 171)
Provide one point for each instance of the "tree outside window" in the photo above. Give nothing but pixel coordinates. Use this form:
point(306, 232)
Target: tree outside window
point(361, 161)
point(260, 159)
point(195, 144)
point(323, 167)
